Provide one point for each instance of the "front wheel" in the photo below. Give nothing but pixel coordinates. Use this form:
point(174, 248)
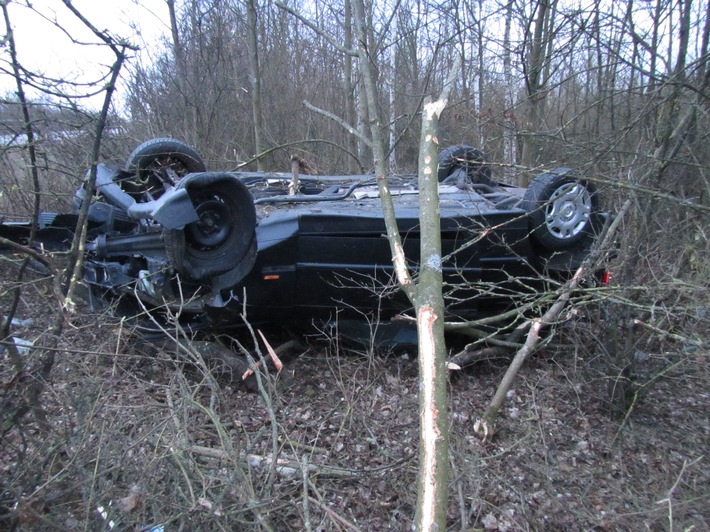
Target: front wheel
point(158, 164)
point(562, 207)
point(467, 158)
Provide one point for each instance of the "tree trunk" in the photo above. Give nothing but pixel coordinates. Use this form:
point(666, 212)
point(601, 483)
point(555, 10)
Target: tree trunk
point(482, 141)
point(434, 430)
point(392, 100)
point(177, 45)
point(348, 88)
point(426, 295)
point(378, 151)
point(535, 84)
point(38, 375)
point(181, 80)
point(255, 75)
point(510, 141)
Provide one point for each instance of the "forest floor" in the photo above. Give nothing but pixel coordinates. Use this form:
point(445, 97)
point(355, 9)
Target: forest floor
point(138, 439)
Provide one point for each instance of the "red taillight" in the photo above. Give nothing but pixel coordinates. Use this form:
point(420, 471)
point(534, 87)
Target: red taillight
point(605, 278)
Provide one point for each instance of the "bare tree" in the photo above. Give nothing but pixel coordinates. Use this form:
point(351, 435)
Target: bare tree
point(255, 75)
point(510, 147)
point(539, 40)
point(432, 500)
point(15, 407)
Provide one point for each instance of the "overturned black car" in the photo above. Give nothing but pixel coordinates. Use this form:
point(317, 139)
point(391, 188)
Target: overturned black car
point(205, 247)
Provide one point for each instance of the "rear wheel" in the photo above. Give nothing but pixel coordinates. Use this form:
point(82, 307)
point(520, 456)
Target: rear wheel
point(562, 208)
point(158, 164)
point(222, 240)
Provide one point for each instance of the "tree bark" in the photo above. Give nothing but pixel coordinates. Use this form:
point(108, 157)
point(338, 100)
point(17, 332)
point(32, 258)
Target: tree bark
point(378, 151)
point(510, 141)
point(535, 84)
point(348, 88)
point(433, 431)
point(255, 79)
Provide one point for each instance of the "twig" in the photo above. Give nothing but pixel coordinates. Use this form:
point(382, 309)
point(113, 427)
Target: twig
point(288, 468)
point(637, 393)
point(303, 446)
point(669, 497)
point(484, 425)
point(29, 251)
point(316, 29)
point(339, 519)
point(350, 129)
point(263, 392)
point(306, 509)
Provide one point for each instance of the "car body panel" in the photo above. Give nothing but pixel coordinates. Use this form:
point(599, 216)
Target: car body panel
point(316, 257)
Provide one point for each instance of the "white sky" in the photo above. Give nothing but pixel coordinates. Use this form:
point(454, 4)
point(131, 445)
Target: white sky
point(42, 47)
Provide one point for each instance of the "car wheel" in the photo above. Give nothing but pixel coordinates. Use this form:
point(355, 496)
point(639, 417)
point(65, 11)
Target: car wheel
point(223, 239)
point(158, 164)
point(469, 159)
point(562, 208)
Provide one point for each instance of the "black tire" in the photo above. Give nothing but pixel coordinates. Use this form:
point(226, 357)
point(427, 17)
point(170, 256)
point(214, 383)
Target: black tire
point(468, 158)
point(562, 208)
point(160, 163)
point(222, 242)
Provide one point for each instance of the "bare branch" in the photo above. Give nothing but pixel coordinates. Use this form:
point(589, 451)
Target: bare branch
point(485, 425)
point(350, 129)
point(315, 28)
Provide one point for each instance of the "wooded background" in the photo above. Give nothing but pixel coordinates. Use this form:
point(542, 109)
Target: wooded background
point(600, 85)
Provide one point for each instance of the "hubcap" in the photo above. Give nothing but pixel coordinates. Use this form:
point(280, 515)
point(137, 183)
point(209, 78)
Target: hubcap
point(567, 212)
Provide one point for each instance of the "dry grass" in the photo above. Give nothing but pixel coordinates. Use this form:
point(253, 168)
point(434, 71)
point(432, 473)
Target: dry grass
point(138, 437)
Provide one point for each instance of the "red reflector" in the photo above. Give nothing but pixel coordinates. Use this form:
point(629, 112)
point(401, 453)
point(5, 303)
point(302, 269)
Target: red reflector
point(605, 278)
point(272, 277)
